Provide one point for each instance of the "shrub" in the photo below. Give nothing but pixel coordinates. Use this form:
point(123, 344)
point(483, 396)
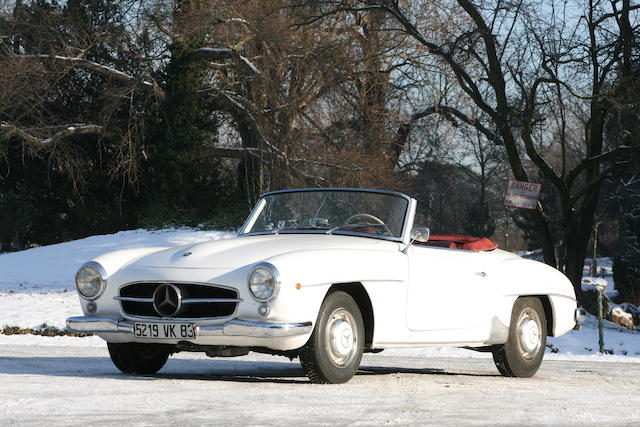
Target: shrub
point(626, 274)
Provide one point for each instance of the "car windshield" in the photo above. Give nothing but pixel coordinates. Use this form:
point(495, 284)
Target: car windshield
point(331, 212)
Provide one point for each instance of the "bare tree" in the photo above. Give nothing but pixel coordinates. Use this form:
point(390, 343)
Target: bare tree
point(507, 58)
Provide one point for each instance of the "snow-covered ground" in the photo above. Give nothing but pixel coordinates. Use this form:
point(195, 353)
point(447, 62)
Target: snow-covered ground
point(52, 268)
point(36, 289)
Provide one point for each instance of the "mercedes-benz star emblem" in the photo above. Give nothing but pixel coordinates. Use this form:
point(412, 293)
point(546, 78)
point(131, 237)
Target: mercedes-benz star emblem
point(167, 300)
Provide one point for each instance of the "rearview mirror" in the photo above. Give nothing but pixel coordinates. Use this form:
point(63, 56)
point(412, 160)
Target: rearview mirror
point(420, 234)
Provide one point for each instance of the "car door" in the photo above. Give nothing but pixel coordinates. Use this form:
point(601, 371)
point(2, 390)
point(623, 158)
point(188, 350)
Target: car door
point(448, 290)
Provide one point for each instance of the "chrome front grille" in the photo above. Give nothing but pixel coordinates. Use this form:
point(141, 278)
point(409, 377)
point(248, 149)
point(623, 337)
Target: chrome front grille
point(195, 300)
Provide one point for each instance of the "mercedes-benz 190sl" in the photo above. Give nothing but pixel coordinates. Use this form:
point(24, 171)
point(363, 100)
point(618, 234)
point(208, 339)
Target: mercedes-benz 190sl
point(324, 275)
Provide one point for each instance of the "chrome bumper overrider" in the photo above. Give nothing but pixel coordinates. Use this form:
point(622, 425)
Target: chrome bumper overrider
point(233, 328)
point(579, 316)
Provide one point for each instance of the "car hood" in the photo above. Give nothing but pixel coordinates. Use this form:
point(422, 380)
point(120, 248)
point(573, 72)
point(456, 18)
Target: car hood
point(241, 251)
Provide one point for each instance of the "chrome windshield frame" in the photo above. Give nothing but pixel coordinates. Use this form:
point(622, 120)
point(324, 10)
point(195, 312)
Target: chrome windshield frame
point(406, 226)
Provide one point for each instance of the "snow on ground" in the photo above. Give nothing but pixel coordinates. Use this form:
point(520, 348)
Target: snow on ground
point(53, 267)
point(40, 341)
point(36, 288)
point(31, 309)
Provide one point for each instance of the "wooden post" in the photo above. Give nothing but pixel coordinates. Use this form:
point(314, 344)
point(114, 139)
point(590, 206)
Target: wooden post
point(594, 260)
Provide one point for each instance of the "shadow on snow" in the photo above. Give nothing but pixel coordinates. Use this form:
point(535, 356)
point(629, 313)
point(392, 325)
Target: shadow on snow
point(202, 370)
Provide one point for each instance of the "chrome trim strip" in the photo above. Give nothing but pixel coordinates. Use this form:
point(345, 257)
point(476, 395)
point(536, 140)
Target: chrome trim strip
point(209, 300)
point(253, 216)
point(133, 299)
point(409, 221)
point(233, 328)
point(363, 190)
point(184, 301)
point(177, 282)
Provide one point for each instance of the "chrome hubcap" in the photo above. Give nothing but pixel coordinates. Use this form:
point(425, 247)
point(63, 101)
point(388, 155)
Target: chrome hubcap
point(529, 334)
point(341, 337)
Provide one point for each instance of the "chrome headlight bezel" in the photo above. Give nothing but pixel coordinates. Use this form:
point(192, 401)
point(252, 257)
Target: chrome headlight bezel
point(275, 277)
point(99, 269)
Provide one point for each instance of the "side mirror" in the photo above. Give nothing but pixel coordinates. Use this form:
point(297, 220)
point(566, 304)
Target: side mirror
point(420, 234)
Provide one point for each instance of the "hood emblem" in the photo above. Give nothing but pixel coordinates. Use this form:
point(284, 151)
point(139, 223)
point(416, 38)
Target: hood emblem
point(167, 300)
point(186, 253)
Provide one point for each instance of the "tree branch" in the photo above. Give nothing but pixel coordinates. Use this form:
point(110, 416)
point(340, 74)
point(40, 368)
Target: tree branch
point(584, 164)
point(8, 130)
point(447, 111)
point(217, 54)
point(101, 69)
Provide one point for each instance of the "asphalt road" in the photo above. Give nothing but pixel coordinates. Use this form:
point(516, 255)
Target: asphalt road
point(80, 386)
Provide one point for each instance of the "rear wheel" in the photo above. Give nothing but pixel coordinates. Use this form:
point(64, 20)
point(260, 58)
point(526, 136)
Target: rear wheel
point(137, 358)
point(522, 354)
point(334, 351)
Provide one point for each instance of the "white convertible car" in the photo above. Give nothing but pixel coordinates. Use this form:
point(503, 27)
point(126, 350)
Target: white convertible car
point(324, 275)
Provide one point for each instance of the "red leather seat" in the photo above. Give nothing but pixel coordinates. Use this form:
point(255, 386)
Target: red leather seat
point(453, 241)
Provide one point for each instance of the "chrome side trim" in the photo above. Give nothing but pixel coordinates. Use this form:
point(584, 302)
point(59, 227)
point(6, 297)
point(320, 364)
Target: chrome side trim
point(233, 328)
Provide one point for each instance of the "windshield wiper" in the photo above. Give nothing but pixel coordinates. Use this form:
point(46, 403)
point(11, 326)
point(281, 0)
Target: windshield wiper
point(358, 224)
point(277, 230)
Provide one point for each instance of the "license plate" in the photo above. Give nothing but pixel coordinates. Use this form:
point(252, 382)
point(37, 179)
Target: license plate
point(164, 330)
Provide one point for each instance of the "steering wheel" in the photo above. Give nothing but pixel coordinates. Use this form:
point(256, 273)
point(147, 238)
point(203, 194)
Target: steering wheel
point(369, 220)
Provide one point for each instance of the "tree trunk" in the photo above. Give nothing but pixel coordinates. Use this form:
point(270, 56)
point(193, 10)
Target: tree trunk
point(578, 244)
point(577, 236)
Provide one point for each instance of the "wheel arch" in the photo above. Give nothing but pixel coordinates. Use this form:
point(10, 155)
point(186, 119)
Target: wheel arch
point(548, 310)
point(357, 291)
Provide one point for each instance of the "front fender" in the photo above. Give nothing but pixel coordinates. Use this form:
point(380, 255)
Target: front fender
point(114, 261)
point(383, 273)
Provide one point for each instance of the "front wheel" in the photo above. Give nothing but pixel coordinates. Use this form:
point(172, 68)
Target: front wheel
point(522, 354)
point(136, 358)
point(334, 351)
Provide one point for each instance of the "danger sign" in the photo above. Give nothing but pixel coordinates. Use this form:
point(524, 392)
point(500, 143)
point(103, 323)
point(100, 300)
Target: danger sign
point(522, 194)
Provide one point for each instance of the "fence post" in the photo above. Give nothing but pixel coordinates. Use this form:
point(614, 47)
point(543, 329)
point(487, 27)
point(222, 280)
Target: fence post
point(601, 286)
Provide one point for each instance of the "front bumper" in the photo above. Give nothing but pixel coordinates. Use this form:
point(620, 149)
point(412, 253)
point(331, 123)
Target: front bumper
point(233, 328)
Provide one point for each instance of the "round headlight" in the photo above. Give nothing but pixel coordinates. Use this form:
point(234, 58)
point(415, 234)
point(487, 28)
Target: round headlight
point(90, 280)
point(263, 282)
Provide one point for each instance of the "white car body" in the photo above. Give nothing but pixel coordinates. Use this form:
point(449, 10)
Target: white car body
point(410, 295)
